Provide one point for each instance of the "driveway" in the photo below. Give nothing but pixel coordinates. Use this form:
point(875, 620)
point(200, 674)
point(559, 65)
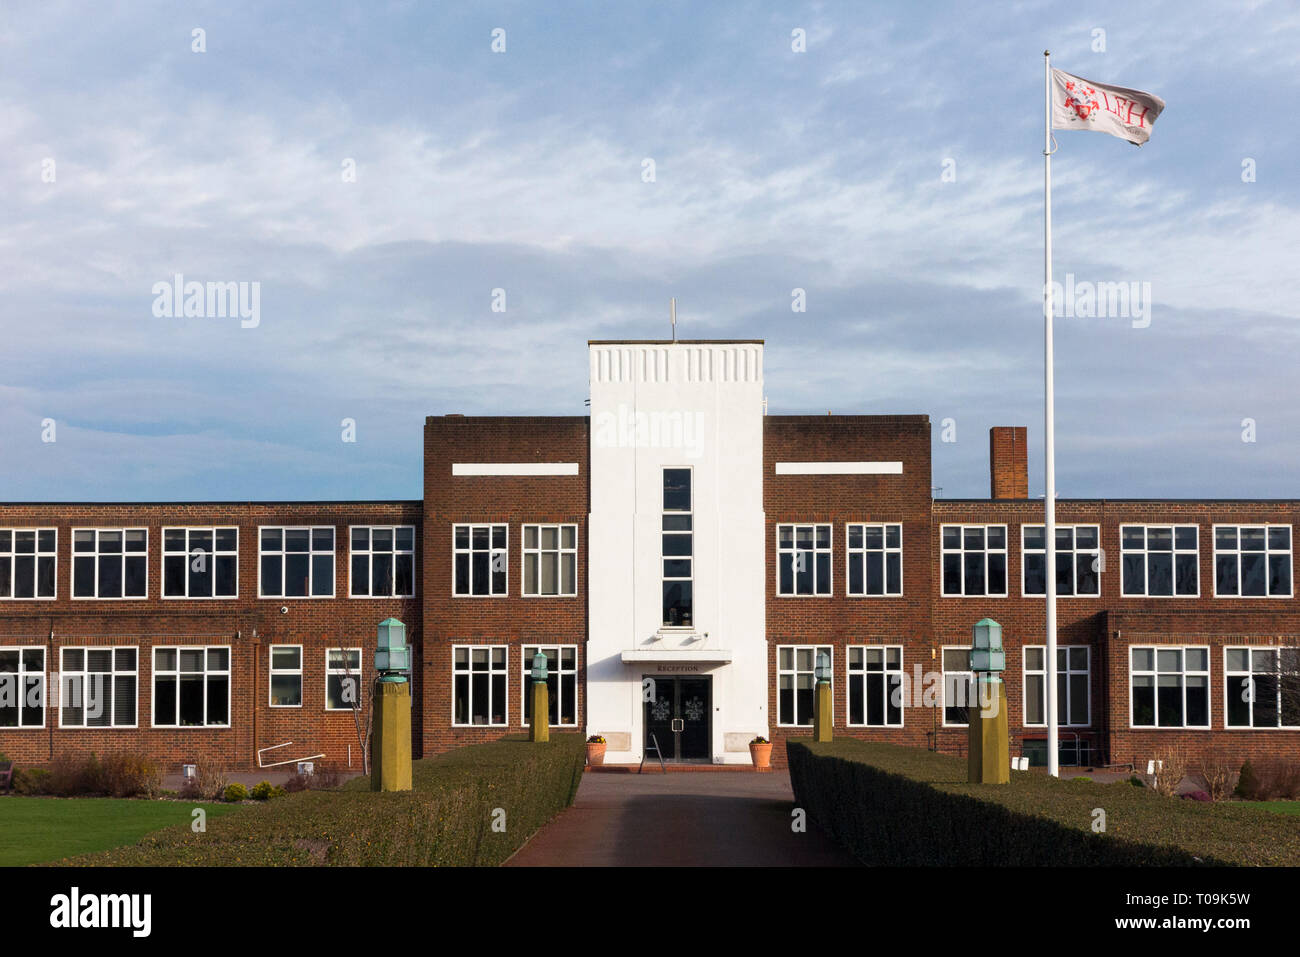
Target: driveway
point(680, 820)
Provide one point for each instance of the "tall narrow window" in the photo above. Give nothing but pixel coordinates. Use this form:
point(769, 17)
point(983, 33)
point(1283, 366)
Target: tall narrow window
point(343, 679)
point(27, 560)
point(958, 686)
point(561, 683)
point(550, 559)
point(1071, 685)
point(678, 549)
point(22, 687)
point(803, 559)
point(383, 561)
point(286, 676)
point(479, 559)
point(875, 685)
point(479, 684)
point(796, 682)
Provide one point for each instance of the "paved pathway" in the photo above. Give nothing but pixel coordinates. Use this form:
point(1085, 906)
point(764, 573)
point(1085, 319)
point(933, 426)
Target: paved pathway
point(680, 819)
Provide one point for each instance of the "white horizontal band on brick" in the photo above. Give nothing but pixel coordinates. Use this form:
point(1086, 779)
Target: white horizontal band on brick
point(839, 468)
point(514, 468)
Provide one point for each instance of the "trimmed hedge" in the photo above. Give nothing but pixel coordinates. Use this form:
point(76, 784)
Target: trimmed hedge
point(445, 821)
point(890, 805)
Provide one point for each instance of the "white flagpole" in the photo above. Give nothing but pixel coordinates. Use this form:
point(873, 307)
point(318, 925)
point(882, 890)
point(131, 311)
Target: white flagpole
point(1049, 428)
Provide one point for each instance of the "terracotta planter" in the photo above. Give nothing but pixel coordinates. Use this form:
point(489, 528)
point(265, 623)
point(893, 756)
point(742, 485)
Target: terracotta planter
point(596, 754)
point(761, 755)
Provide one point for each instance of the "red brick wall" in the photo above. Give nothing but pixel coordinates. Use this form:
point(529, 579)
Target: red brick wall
point(512, 620)
point(840, 620)
point(247, 624)
point(1008, 462)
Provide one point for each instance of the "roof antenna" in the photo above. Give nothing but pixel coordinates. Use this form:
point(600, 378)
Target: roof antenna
point(672, 315)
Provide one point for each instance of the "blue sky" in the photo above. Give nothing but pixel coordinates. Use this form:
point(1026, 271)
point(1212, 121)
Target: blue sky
point(774, 170)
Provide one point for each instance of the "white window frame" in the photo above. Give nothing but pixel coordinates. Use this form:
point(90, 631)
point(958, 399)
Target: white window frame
point(860, 674)
point(962, 551)
point(272, 671)
point(311, 553)
point(1075, 552)
point(828, 550)
point(1229, 674)
point(37, 554)
point(526, 670)
point(1173, 554)
point(972, 692)
point(176, 674)
point(358, 672)
point(561, 552)
point(469, 670)
point(884, 551)
point(1156, 673)
point(492, 552)
point(796, 671)
point(1041, 673)
point(95, 555)
point(688, 534)
point(164, 553)
point(370, 553)
point(84, 675)
point(1268, 552)
point(21, 676)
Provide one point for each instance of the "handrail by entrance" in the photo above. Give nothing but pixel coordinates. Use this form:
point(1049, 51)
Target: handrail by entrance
point(659, 754)
point(275, 764)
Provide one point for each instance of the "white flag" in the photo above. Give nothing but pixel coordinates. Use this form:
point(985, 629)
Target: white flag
point(1079, 104)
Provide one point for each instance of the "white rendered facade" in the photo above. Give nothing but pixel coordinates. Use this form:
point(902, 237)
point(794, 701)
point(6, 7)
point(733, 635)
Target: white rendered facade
point(680, 405)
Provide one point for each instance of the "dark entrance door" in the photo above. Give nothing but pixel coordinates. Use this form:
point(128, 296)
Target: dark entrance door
point(679, 714)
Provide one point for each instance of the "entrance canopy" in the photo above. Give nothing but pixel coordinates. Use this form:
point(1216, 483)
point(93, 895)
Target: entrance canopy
point(677, 656)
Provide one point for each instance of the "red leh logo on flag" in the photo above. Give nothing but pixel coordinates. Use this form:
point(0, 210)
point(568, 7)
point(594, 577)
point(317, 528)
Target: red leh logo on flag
point(1079, 104)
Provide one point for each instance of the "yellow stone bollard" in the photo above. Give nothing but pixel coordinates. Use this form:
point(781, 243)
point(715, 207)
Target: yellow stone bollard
point(989, 750)
point(823, 713)
point(390, 768)
point(539, 728)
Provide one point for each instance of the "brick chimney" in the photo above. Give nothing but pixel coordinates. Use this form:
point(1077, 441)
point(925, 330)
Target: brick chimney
point(1008, 462)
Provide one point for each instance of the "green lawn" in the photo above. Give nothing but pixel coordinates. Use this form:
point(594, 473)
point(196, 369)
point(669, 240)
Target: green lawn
point(1281, 807)
point(38, 829)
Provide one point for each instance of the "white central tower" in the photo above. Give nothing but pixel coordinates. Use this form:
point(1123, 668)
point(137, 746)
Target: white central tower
point(677, 644)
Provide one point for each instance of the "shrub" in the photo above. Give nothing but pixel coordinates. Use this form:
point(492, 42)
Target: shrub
point(1195, 796)
point(1249, 787)
point(890, 805)
point(1279, 779)
point(235, 792)
point(1171, 768)
point(1218, 773)
point(72, 775)
point(264, 790)
point(208, 783)
point(1136, 781)
point(31, 781)
point(130, 775)
point(446, 820)
point(1081, 777)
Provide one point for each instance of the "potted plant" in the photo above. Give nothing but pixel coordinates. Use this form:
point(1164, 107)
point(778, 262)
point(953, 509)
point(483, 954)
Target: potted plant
point(760, 752)
point(596, 750)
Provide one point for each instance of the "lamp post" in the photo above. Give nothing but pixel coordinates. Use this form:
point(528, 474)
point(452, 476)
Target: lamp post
point(391, 768)
point(823, 711)
point(988, 752)
point(539, 727)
